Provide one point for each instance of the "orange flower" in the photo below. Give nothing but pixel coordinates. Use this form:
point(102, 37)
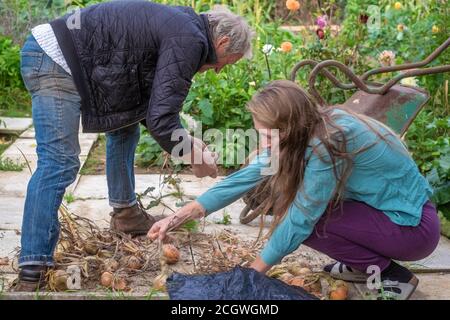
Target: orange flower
point(292, 5)
point(286, 46)
point(400, 27)
point(397, 5)
point(435, 29)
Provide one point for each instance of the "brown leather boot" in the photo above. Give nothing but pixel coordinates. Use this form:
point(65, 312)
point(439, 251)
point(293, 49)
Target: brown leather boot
point(133, 220)
point(31, 279)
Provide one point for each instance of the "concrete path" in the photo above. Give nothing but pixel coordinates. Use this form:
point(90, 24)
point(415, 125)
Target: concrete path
point(14, 125)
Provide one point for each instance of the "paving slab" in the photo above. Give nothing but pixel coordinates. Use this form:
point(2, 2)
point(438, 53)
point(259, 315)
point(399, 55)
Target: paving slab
point(438, 260)
point(9, 242)
point(32, 160)
point(14, 125)
point(28, 147)
point(14, 184)
point(88, 295)
point(28, 134)
point(96, 186)
point(433, 287)
point(11, 212)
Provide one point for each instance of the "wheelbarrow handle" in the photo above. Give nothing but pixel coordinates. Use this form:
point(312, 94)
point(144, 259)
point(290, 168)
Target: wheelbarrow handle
point(346, 70)
point(326, 73)
point(359, 82)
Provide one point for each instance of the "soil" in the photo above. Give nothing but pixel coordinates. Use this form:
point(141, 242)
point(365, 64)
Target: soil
point(96, 162)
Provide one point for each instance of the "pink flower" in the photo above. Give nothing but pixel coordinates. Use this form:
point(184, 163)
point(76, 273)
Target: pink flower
point(322, 21)
point(386, 58)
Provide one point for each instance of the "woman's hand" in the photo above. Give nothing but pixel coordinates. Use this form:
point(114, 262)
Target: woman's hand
point(260, 266)
point(192, 210)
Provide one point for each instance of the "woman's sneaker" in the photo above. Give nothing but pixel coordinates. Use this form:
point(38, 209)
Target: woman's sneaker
point(397, 283)
point(341, 271)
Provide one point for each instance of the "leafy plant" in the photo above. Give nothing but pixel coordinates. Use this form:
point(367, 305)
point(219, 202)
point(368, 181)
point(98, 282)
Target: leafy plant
point(226, 219)
point(69, 198)
point(7, 164)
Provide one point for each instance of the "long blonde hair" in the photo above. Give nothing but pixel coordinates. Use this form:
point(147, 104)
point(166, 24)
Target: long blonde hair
point(284, 105)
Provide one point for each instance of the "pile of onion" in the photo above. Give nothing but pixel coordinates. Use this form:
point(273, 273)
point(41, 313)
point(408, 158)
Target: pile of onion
point(170, 253)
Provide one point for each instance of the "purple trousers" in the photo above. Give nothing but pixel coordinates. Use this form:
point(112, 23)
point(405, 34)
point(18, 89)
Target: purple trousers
point(360, 236)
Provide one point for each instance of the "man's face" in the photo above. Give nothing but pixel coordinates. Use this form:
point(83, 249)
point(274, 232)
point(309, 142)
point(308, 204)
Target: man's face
point(223, 59)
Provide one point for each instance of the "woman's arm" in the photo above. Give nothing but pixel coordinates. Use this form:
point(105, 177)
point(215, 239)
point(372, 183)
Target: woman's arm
point(219, 196)
point(235, 185)
point(309, 205)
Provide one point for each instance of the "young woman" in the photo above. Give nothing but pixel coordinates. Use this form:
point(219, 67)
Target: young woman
point(346, 186)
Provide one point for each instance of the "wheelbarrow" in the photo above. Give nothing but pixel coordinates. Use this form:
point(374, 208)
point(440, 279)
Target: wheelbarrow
point(394, 104)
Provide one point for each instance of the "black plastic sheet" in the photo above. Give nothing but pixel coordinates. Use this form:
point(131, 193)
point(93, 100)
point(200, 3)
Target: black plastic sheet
point(236, 284)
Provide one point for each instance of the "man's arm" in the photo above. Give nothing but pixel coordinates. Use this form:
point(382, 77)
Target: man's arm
point(178, 60)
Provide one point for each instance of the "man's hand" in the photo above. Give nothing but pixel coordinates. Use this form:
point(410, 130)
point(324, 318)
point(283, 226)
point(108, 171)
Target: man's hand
point(192, 210)
point(203, 161)
point(260, 266)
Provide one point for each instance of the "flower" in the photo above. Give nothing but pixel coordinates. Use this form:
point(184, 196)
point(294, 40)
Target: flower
point(322, 21)
point(286, 46)
point(400, 27)
point(252, 83)
point(320, 33)
point(435, 29)
point(267, 49)
point(292, 5)
point(386, 58)
point(397, 5)
point(363, 18)
point(410, 81)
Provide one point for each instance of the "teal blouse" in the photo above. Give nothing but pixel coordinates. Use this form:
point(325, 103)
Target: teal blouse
point(383, 176)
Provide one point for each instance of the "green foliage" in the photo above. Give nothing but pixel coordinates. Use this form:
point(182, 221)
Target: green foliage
point(148, 151)
point(69, 198)
point(226, 219)
point(14, 100)
point(191, 226)
point(7, 164)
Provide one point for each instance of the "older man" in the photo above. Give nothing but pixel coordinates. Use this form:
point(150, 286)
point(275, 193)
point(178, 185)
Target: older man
point(115, 64)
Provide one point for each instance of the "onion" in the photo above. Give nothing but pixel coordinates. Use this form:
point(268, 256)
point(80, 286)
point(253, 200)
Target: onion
point(339, 290)
point(340, 293)
point(111, 265)
point(60, 280)
point(159, 283)
point(134, 263)
point(119, 284)
point(106, 279)
point(286, 277)
point(170, 253)
point(297, 281)
point(90, 248)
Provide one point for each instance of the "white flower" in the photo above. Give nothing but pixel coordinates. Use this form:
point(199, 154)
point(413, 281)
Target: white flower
point(267, 49)
point(252, 83)
point(410, 81)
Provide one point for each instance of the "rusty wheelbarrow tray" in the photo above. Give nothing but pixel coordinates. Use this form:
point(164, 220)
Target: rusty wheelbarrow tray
point(394, 104)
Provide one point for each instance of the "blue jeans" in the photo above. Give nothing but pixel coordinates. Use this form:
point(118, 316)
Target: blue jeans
point(56, 117)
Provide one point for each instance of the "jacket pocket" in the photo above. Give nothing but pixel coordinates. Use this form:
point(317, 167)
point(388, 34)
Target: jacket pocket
point(117, 87)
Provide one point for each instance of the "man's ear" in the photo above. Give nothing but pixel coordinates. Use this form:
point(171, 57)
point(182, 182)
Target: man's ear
point(223, 42)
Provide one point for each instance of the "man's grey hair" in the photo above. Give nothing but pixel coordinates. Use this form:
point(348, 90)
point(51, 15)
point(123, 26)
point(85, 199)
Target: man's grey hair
point(224, 23)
